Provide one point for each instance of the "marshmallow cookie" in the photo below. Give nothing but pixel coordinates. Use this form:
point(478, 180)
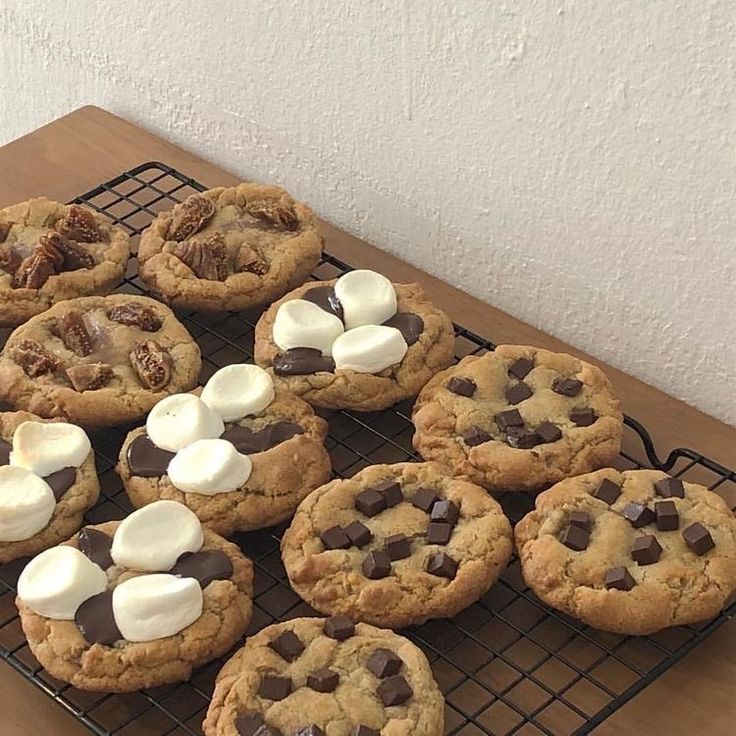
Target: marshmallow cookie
point(135, 604)
point(359, 342)
point(241, 456)
point(50, 252)
point(98, 361)
point(312, 676)
point(230, 248)
point(396, 545)
point(48, 481)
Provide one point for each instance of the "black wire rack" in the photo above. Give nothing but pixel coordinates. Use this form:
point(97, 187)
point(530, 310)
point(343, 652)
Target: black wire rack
point(506, 665)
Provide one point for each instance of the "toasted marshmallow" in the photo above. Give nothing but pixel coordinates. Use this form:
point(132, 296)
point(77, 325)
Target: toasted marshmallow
point(45, 447)
point(302, 324)
point(181, 419)
point(238, 390)
point(27, 503)
point(151, 607)
point(367, 298)
point(155, 536)
point(56, 582)
point(369, 349)
point(209, 467)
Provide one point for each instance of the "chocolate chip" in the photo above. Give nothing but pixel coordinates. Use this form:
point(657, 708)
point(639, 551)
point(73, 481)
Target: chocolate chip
point(287, 645)
point(521, 438)
point(510, 418)
point(409, 325)
point(475, 436)
point(323, 681)
point(95, 619)
point(249, 442)
point(638, 514)
point(646, 550)
point(339, 627)
point(370, 502)
point(445, 511)
point(461, 386)
point(441, 565)
point(376, 565)
point(698, 538)
point(438, 532)
point(394, 690)
point(384, 663)
point(619, 578)
point(576, 538)
point(391, 492)
point(398, 546)
point(358, 534)
point(567, 386)
point(521, 368)
point(582, 417)
point(669, 488)
point(61, 481)
point(324, 297)
point(335, 538)
point(5, 449)
point(96, 545)
point(518, 393)
point(274, 687)
point(311, 730)
point(146, 460)
point(667, 517)
point(424, 499)
point(365, 731)
point(607, 491)
point(548, 432)
point(581, 519)
point(204, 566)
point(302, 362)
point(250, 724)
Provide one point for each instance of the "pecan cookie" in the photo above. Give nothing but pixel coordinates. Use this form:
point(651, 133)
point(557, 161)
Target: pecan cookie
point(50, 252)
point(135, 604)
point(630, 552)
point(99, 361)
point(313, 676)
point(357, 342)
point(519, 418)
point(396, 545)
point(230, 248)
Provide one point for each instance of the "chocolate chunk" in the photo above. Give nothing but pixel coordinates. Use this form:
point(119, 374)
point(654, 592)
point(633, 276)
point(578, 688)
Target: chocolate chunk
point(94, 618)
point(461, 386)
point(446, 511)
point(398, 546)
point(358, 534)
point(96, 545)
point(698, 538)
point(670, 488)
point(607, 491)
point(394, 690)
point(521, 368)
point(646, 550)
point(567, 386)
point(204, 566)
point(582, 417)
point(376, 565)
point(619, 578)
point(510, 418)
point(548, 432)
point(323, 681)
point(441, 565)
point(61, 481)
point(438, 532)
point(335, 538)
point(638, 514)
point(521, 438)
point(311, 730)
point(146, 460)
point(370, 502)
point(287, 645)
point(365, 731)
point(302, 362)
point(324, 297)
point(274, 687)
point(581, 519)
point(475, 436)
point(667, 517)
point(252, 724)
point(250, 442)
point(518, 393)
point(5, 448)
point(409, 325)
point(339, 627)
point(576, 538)
point(424, 499)
point(384, 663)
point(391, 492)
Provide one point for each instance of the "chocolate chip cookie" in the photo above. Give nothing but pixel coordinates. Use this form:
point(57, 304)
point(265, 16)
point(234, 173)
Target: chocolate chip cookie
point(630, 552)
point(98, 361)
point(519, 418)
point(230, 248)
point(396, 545)
point(50, 252)
point(313, 676)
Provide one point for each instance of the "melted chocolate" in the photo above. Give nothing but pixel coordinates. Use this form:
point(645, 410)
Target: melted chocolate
point(61, 481)
point(95, 619)
point(204, 566)
point(409, 325)
point(301, 362)
point(147, 460)
point(5, 448)
point(95, 545)
point(249, 442)
point(324, 296)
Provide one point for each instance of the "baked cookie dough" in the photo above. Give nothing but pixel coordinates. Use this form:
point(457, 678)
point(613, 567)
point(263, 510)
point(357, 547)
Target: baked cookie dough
point(630, 552)
point(242, 456)
point(98, 360)
point(518, 418)
point(230, 248)
point(135, 604)
point(48, 481)
point(357, 342)
point(396, 545)
point(50, 252)
point(313, 676)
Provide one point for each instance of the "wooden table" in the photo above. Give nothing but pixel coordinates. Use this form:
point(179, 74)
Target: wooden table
point(88, 146)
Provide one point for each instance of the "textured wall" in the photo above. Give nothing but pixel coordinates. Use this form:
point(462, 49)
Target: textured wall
point(571, 162)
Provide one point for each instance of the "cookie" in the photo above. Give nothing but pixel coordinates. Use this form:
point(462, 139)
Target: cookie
point(230, 248)
point(242, 456)
point(630, 552)
point(357, 342)
point(519, 418)
point(98, 360)
point(135, 604)
point(313, 676)
point(396, 545)
point(48, 481)
point(50, 252)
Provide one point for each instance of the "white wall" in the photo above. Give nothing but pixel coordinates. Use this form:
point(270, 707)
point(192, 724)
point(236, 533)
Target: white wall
point(571, 162)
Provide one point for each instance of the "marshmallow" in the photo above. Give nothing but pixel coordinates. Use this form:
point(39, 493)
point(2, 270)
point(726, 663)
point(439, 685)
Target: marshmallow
point(56, 582)
point(367, 298)
point(151, 607)
point(369, 349)
point(302, 324)
point(209, 467)
point(45, 447)
point(181, 419)
point(155, 536)
point(238, 390)
point(27, 503)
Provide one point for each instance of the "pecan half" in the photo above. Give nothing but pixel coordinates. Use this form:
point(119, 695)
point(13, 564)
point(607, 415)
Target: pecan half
point(9, 259)
point(72, 331)
point(89, 376)
point(33, 272)
point(134, 315)
point(189, 216)
point(152, 364)
point(277, 212)
point(251, 261)
point(71, 255)
point(34, 359)
point(207, 257)
point(79, 224)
